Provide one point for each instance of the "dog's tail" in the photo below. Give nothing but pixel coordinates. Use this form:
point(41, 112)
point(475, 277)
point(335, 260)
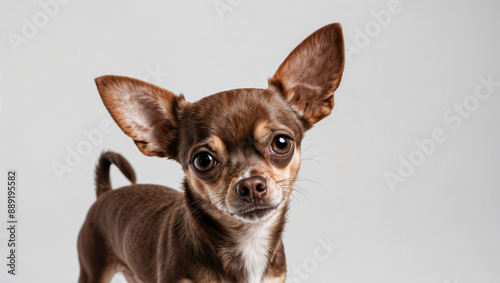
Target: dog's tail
point(102, 181)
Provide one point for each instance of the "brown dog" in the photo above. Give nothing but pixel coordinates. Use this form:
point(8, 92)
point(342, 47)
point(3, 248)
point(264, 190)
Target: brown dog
point(240, 151)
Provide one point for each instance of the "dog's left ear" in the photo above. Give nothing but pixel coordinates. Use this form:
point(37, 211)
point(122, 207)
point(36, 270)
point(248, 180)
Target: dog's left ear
point(311, 73)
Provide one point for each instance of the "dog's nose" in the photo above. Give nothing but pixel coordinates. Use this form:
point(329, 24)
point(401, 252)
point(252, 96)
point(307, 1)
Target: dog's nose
point(250, 188)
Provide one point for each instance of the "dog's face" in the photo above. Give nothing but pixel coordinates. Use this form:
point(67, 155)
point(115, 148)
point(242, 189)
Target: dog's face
point(239, 149)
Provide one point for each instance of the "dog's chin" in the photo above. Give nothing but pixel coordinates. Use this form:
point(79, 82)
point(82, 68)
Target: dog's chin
point(256, 214)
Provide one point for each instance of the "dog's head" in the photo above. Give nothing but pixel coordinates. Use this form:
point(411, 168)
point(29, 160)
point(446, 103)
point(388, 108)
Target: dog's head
point(240, 149)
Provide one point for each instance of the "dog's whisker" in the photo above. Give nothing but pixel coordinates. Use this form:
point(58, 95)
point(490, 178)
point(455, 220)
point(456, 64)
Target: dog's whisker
point(305, 150)
point(301, 193)
point(309, 180)
point(217, 194)
point(312, 159)
point(317, 155)
point(289, 193)
point(297, 189)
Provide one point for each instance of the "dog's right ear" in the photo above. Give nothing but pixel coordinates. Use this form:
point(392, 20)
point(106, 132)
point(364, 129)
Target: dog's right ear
point(144, 112)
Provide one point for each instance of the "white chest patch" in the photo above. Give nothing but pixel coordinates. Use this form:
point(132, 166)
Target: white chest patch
point(254, 248)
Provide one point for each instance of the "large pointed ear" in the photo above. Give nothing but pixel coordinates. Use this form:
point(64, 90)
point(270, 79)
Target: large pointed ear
point(144, 112)
point(311, 73)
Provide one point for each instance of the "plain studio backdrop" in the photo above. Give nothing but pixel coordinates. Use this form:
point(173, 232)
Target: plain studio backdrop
point(399, 184)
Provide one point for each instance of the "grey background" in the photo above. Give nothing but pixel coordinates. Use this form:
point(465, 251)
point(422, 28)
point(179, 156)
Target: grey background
point(442, 224)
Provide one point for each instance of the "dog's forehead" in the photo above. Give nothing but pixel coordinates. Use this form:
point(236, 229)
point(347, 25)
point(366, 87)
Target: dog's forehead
point(233, 115)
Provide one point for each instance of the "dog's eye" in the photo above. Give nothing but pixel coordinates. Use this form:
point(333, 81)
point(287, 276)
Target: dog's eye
point(282, 144)
point(203, 162)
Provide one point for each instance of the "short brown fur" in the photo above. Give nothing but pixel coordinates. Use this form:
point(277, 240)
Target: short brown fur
point(240, 151)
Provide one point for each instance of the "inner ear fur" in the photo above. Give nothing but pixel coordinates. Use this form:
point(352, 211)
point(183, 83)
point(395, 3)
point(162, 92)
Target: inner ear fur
point(309, 76)
point(145, 112)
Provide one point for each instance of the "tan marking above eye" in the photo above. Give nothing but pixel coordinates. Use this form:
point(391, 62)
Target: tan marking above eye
point(217, 145)
point(261, 130)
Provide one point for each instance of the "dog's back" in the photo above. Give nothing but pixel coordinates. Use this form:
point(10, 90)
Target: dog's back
point(122, 212)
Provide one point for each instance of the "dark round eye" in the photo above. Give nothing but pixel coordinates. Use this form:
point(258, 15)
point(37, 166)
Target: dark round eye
point(282, 144)
point(203, 162)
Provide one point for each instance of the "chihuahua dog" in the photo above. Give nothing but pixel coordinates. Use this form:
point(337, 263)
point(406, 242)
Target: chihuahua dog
point(240, 152)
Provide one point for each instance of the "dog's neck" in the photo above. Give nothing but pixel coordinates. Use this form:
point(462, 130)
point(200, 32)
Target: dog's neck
point(243, 251)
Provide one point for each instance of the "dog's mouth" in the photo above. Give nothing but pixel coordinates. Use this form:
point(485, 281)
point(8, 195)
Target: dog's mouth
point(255, 212)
